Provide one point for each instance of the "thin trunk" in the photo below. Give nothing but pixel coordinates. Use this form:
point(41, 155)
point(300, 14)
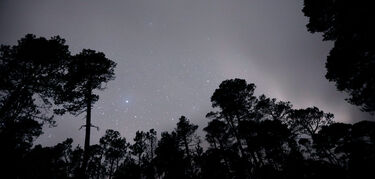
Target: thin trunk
point(238, 140)
point(187, 148)
point(253, 154)
point(188, 156)
point(255, 160)
point(215, 145)
point(88, 129)
point(111, 170)
point(224, 155)
point(117, 161)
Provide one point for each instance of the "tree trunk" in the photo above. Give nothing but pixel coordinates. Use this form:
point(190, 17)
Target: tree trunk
point(88, 129)
point(222, 149)
point(111, 169)
point(187, 148)
point(235, 133)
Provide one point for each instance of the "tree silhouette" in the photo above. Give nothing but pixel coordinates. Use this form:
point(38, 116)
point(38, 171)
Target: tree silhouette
point(185, 133)
point(114, 149)
point(361, 150)
point(129, 169)
point(253, 125)
point(185, 136)
point(96, 168)
point(351, 62)
point(139, 147)
point(149, 170)
point(35, 66)
point(220, 140)
point(48, 162)
point(332, 141)
point(170, 161)
point(151, 139)
point(309, 121)
point(235, 99)
point(87, 71)
point(271, 109)
point(217, 134)
point(30, 78)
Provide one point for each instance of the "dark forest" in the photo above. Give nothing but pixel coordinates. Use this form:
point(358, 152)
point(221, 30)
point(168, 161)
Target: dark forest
point(247, 136)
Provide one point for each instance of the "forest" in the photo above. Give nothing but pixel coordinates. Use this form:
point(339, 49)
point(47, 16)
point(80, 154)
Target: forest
point(247, 136)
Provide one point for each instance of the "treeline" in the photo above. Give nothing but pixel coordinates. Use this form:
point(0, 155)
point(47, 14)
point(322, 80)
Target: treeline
point(337, 150)
point(247, 136)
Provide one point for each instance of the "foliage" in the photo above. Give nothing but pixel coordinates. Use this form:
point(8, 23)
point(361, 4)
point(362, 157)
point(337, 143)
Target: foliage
point(351, 62)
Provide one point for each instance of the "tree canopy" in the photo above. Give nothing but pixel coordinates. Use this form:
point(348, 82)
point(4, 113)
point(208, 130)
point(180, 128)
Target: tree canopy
point(351, 62)
point(38, 75)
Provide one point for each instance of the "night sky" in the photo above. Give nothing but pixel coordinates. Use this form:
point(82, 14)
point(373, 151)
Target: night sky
point(173, 54)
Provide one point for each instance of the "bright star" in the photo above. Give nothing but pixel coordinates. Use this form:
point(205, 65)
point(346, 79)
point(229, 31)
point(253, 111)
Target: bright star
point(126, 101)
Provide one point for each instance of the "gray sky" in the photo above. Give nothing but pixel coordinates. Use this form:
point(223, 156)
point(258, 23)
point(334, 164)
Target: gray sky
point(172, 55)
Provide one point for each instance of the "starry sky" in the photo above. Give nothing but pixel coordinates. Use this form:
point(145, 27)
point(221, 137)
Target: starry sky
point(173, 54)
